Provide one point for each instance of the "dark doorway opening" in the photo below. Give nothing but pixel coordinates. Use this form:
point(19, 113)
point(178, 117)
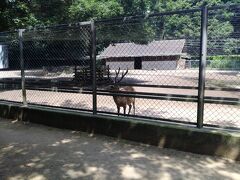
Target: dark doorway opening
point(137, 63)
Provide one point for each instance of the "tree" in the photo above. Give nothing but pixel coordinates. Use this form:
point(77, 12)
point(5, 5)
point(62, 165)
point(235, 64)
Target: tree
point(82, 10)
point(16, 14)
point(188, 25)
point(51, 11)
point(134, 7)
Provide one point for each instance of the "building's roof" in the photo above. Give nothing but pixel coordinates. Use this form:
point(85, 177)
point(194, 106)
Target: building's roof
point(155, 48)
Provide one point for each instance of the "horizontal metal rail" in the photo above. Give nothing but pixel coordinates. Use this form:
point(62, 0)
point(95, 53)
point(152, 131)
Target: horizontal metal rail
point(136, 95)
point(177, 95)
point(222, 89)
point(224, 6)
point(169, 97)
point(148, 15)
point(149, 93)
point(145, 95)
point(56, 89)
point(184, 11)
point(176, 87)
point(3, 33)
point(232, 128)
point(58, 107)
point(9, 102)
point(71, 25)
point(13, 81)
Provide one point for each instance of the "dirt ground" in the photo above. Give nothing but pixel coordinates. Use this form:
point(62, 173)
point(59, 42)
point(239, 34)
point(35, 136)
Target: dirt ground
point(30, 151)
point(216, 114)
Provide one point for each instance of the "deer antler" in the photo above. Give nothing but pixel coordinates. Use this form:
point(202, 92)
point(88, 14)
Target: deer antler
point(123, 75)
point(117, 73)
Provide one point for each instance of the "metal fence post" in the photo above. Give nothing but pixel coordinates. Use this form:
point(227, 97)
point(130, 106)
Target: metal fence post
point(93, 61)
point(202, 66)
point(20, 36)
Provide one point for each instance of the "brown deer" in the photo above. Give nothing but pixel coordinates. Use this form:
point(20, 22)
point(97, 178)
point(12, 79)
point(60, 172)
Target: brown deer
point(122, 101)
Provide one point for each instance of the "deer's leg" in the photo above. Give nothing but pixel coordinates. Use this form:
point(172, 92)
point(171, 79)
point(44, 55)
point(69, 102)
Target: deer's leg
point(124, 110)
point(118, 110)
point(130, 107)
point(134, 106)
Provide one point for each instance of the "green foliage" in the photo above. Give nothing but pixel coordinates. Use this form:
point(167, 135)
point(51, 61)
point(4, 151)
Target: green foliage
point(16, 14)
point(23, 13)
point(224, 57)
point(82, 10)
point(188, 25)
point(225, 62)
point(231, 46)
point(133, 7)
point(51, 11)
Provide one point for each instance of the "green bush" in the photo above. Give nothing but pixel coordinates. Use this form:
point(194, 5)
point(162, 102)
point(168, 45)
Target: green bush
point(224, 62)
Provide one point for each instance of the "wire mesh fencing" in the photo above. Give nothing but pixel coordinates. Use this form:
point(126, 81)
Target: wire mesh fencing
point(151, 67)
point(10, 84)
point(223, 70)
point(55, 60)
point(154, 54)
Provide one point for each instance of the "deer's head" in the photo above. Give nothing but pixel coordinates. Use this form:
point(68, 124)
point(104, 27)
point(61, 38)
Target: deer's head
point(117, 80)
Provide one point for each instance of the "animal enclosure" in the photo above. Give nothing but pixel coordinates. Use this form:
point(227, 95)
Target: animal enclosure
point(182, 66)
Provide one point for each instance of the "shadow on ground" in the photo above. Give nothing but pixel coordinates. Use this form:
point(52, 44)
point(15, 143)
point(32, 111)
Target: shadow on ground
point(34, 151)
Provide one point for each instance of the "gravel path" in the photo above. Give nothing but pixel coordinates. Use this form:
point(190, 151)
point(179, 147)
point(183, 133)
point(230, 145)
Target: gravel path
point(38, 152)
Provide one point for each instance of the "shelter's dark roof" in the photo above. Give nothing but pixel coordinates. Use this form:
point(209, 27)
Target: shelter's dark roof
point(155, 48)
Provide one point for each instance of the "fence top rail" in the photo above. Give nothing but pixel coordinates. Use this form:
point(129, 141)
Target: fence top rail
point(183, 11)
point(71, 25)
point(224, 6)
point(3, 33)
point(124, 18)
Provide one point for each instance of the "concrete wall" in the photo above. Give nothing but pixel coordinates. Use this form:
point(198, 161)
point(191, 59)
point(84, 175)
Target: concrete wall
point(122, 65)
point(181, 137)
point(159, 65)
point(146, 65)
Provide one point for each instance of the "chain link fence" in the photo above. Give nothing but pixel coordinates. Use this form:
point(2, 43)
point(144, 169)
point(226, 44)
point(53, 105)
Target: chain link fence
point(154, 65)
point(223, 68)
point(53, 60)
point(154, 54)
point(10, 87)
